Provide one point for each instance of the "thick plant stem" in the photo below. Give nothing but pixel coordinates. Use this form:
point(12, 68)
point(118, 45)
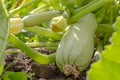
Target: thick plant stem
point(88, 8)
point(38, 57)
point(36, 19)
point(44, 32)
point(79, 9)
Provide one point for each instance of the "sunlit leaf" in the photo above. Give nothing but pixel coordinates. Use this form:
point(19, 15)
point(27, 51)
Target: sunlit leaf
point(108, 68)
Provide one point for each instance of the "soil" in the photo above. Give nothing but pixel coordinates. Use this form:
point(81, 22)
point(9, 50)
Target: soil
point(20, 62)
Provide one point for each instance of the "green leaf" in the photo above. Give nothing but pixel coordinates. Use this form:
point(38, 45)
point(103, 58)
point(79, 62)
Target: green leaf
point(104, 70)
point(108, 68)
point(15, 76)
point(4, 32)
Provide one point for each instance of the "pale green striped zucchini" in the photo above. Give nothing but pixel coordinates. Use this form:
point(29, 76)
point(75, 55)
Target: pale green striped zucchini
point(76, 47)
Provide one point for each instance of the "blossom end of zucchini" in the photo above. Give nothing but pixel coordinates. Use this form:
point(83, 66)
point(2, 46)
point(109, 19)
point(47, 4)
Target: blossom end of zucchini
point(16, 25)
point(59, 24)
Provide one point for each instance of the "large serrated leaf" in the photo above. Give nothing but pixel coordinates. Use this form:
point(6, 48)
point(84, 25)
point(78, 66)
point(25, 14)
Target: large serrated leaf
point(108, 68)
point(4, 32)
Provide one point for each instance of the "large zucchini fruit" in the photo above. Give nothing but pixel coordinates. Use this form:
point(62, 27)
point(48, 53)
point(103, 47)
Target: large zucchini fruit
point(76, 48)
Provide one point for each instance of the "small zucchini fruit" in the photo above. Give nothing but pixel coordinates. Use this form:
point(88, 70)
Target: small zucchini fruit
point(58, 24)
point(38, 18)
point(16, 25)
point(76, 48)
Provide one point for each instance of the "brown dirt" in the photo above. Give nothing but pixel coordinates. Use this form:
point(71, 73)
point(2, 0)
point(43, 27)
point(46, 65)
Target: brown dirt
point(21, 62)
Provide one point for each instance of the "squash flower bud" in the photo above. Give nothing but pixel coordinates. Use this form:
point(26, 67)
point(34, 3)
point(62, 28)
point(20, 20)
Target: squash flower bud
point(16, 25)
point(59, 24)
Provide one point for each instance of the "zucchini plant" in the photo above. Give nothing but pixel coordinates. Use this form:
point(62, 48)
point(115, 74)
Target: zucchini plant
point(71, 23)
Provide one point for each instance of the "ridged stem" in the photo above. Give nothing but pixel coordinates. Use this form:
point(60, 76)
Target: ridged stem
point(87, 9)
point(37, 56)
point(44, 32)
point(37, 44)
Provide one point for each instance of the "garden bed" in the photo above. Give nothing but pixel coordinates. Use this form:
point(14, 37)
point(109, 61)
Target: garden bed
point(20, 62)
